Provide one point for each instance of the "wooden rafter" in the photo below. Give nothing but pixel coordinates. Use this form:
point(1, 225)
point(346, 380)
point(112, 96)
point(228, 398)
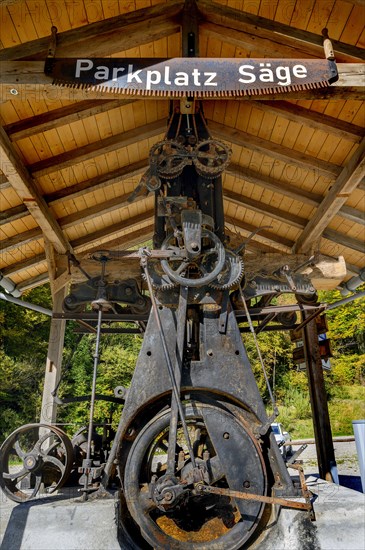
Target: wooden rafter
point(112, 143)
point(20, 179)
point(83, 109)
point(60, 117)
point(291, 219)
point(230, 19)
point(312, 119)
point(105, 37)
point(275, 150)
point(347, 181)
point(293, 192)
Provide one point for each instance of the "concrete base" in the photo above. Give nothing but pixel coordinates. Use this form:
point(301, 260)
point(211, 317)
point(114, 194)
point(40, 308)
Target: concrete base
point(66, 523)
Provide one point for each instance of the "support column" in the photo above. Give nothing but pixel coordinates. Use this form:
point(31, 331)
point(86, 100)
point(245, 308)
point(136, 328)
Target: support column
point(321, 420)
point(58, 282)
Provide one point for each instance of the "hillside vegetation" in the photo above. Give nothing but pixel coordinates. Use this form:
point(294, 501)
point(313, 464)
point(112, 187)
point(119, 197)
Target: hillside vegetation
point(23, 349)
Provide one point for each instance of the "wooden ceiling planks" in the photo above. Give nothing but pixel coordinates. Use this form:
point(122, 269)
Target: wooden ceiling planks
point(298, 144)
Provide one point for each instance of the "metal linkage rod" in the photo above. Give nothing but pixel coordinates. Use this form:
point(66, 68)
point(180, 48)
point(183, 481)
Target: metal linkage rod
point(175, 386)
point(92, 404)
point(275, 409)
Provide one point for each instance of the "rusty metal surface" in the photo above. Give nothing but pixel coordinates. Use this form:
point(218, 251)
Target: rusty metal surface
point(203, 77)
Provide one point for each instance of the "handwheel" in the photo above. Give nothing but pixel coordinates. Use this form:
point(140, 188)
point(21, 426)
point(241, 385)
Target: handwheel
point(201, 270)
point(33, 455)
point(170, 511)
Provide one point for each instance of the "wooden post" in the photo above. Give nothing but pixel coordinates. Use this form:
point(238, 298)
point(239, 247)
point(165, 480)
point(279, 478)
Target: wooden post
point(56, 337)
point(321, 421)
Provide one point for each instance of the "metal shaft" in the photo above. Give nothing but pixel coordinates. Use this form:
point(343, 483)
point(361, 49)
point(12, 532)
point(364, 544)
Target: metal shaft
point(92, 401)
point(175, 388)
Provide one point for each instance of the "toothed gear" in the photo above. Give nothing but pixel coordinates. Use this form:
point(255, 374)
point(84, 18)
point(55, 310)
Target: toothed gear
point(211, 158)
point(169, 157)
point(201, 270)
point(159, 279)
point(231, 274)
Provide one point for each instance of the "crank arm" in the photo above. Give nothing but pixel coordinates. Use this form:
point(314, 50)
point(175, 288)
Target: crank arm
point(251, 496)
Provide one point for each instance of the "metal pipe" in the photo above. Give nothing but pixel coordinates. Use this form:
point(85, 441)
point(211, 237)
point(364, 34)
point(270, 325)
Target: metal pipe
point(27, 305)
point(346, 300)
point(9, 286)
point(353, 283)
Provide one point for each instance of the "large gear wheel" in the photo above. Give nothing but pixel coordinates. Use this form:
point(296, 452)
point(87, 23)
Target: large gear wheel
point(231, 274)
point(169, 157)
point(211, 158)
point(201, 270)
point(159, 279)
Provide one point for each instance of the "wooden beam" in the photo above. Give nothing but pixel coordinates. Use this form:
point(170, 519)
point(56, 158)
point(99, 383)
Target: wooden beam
point(266, 209)
point(347, 181)
point(105, 37)
point(312, 119)
point(60, 117)
point(112, 143)
point(37, 280)
point(20, 239)
point(4, 183)
point(275, 150)
point(90, 238)
point(20, 179)
point(25, 80)
point(274, 31)
point(124, 242)
point(344, 240)
point(18, 267)
point(98, 182)
point(92, 212)
point(291, 219)
point(12, 214)
point(295, 193)
point(266, 236)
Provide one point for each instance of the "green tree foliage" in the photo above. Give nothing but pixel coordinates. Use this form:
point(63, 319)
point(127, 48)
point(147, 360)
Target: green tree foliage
point(23, 350)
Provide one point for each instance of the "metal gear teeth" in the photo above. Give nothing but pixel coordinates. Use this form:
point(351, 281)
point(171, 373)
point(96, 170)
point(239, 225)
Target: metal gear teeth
point(156, 286)
point(230, 284)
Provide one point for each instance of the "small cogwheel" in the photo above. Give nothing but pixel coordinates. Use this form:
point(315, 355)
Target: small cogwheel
point(159, 279)
point(211, 158)
point(169, 158)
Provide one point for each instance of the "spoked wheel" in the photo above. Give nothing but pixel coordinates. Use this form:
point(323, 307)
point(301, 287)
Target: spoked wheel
point(170, 508)
point(32, 456)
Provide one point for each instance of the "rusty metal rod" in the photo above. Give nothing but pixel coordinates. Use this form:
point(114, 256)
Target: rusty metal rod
point(260, 498)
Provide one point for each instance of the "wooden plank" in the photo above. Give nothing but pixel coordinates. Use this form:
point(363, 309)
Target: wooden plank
point(21, 181)
point(12, 214)
point(60, 117)
point(344, 240)
point(275, 150)
point(18, 267)
point(64, 160)
point(20, 239)
point(315, 120)
point(33, 282)
point(98, 210)
point(296, 193)
point(266, 236)
point(105, 37)
point(25, 80)
point(263, 28)
point(112, 229)
point(347, 181)
point(265, 209)
point(4, 183)
point(98, 182)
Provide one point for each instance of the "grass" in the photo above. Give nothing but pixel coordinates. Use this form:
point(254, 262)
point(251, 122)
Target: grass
point(348, 405)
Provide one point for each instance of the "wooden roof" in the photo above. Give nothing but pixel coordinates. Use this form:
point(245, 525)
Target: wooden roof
point(70, 158)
